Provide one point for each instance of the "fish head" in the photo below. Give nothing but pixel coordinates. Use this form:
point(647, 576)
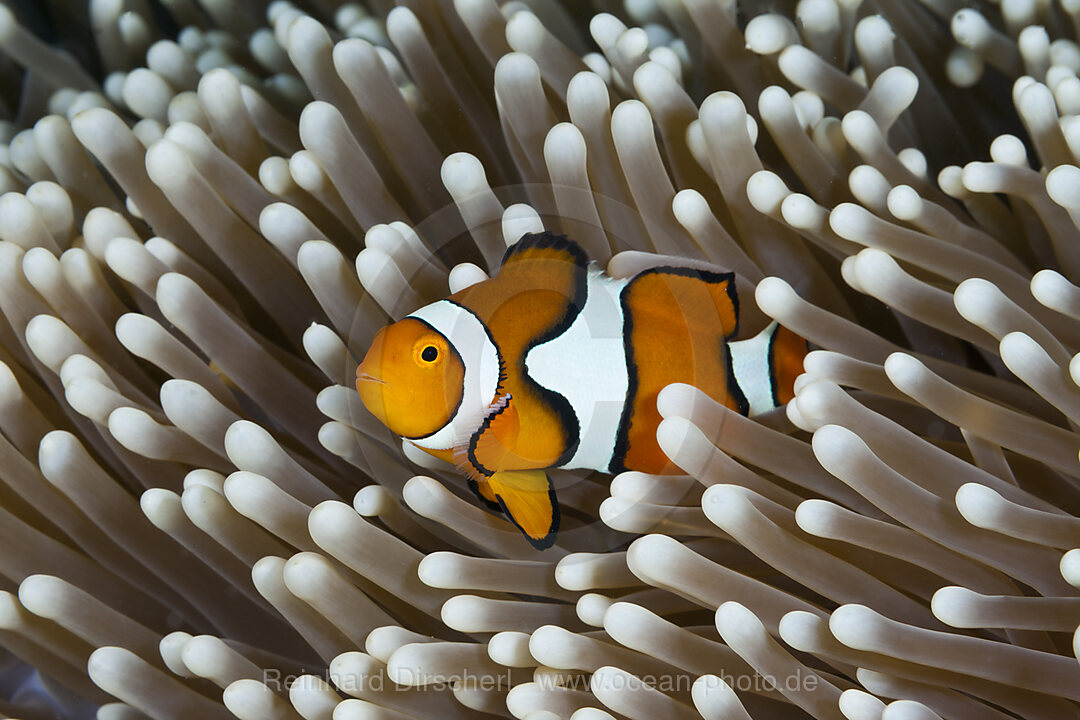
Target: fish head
point(411, 379)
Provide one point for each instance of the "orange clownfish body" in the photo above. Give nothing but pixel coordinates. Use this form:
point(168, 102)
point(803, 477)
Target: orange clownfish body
point(552, 363)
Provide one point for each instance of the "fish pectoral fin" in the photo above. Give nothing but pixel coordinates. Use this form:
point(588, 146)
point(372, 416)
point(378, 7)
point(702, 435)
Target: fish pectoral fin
point(491, 447)
point(528, 499)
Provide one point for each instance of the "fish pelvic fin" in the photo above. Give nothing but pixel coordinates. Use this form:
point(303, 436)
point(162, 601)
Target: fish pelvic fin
point(482, 489)
point(528, 499)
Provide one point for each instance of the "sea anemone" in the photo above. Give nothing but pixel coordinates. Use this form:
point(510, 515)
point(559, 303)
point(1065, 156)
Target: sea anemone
point(210, 207)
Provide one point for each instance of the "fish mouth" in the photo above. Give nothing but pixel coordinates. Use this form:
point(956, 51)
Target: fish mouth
point(364, 377)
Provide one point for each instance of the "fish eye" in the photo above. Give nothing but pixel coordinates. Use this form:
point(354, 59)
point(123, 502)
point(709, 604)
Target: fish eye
point(429, 351)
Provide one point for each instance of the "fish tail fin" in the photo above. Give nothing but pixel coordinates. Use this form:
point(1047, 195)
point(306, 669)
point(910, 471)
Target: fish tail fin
point(786, 355)
point(765, 367)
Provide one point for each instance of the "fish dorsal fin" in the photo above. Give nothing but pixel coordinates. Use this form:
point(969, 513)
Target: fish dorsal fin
point(544, 246)
point(528, 499)
point(534, 297)
point(537, 291)
point(682, 286)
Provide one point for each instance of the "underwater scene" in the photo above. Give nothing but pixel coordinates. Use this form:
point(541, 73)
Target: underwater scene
point(540, 359)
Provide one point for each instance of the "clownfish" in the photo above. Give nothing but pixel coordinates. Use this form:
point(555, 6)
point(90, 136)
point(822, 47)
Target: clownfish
point(554, 364)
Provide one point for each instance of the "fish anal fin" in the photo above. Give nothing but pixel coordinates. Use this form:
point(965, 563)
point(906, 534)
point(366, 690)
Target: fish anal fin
point(528, 499)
